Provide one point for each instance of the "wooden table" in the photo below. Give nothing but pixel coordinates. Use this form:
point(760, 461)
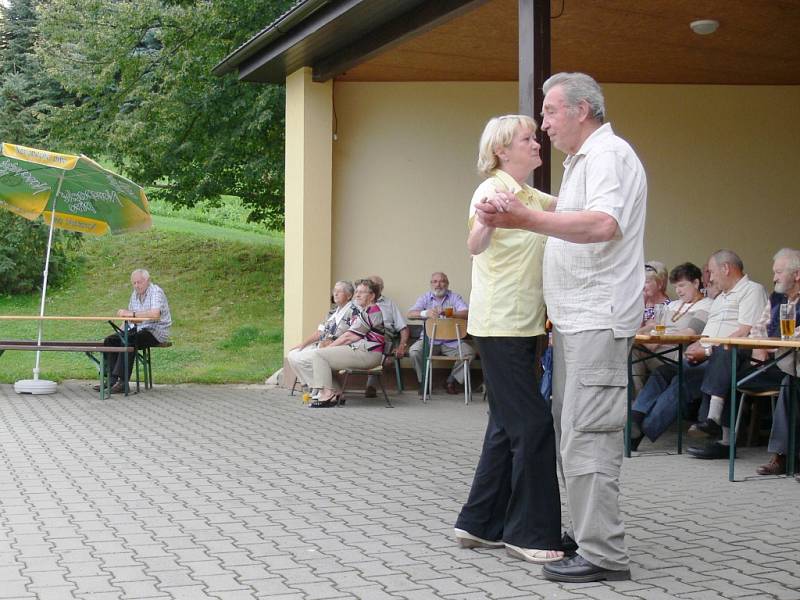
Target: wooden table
point(783, 348)
point(674, 342)
point(123, 333)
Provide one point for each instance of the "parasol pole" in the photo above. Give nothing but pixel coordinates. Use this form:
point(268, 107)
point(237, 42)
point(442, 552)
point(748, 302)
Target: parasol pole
point(36, 385)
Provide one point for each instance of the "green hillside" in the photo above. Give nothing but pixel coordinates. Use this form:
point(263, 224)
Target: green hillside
point(225, 289)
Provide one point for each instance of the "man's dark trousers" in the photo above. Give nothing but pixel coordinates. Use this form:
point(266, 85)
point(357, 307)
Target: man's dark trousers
point(514, 495)
point(141, 338)
point(717, 378)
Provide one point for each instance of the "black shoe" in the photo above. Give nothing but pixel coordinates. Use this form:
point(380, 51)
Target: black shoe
point(118, 388)
point(96, 387)
point(712, 451)
point(568, 545)
point(708, 427)
point(577, 569)
point(635, 441)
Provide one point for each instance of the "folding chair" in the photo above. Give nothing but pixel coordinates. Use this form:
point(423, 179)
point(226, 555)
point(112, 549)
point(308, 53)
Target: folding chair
point(755, 396)
point(446, 329)
point(376, 371)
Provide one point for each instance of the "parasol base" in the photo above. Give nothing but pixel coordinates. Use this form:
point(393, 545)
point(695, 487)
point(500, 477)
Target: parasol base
point(35, 386)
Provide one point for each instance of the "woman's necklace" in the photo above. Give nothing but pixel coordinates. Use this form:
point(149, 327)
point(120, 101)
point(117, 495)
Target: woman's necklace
point(682, 310)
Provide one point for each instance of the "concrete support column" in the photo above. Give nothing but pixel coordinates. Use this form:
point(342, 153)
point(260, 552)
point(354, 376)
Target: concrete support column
point(307, 263)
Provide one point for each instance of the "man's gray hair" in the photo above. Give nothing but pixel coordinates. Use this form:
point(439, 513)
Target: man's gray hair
point(728, 257)
point(577, 87)
point(142, 272)
point(792, 257)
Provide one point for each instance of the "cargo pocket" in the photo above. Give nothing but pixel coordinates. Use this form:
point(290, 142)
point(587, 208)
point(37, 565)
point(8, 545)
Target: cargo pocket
point(602, 403)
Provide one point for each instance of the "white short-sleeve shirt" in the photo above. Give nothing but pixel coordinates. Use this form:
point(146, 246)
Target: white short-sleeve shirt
point(599, 285)
point(741, 305)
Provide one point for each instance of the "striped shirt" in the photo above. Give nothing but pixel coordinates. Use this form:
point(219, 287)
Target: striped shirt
point(153, 298)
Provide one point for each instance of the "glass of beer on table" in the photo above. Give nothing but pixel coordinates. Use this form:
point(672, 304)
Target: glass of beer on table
point(448, 312)
point(787, 321)
point(660, 319)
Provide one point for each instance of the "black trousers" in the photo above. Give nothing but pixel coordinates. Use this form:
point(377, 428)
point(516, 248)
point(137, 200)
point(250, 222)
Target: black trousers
point(514, 495)
point(141, 338)
point(717, 378)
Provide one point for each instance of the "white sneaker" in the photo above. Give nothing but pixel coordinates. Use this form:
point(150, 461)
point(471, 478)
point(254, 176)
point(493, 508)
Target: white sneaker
point(534, 556)
point(466, 540)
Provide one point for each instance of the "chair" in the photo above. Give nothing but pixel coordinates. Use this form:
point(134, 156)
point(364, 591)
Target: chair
point(376, 371)
point(446, 329)
point(755, 396)
point(394, 340)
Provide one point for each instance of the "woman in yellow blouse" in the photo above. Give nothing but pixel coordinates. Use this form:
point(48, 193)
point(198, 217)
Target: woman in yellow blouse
point(514, 500)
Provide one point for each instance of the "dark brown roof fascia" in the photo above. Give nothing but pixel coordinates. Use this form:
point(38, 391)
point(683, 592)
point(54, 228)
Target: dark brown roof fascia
point(279, 27)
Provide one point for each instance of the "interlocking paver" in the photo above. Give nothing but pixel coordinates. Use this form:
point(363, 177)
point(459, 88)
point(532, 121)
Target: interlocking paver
point(221, 492)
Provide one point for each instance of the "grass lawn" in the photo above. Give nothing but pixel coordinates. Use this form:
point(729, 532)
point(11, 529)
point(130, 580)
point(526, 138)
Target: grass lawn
point(225, 290)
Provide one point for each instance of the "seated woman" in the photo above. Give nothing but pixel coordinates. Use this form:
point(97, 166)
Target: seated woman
point(334, 325)
point(655, 288)
point(361, 346)
point(685, 316)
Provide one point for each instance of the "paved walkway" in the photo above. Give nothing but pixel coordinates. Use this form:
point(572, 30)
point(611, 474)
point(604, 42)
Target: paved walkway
point(235, 492)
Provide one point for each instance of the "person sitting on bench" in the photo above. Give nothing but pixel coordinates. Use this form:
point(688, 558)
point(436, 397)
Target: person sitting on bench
point(147, 301)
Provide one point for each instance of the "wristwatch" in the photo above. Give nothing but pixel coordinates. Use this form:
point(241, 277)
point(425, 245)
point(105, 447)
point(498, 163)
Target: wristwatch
point(707, 350)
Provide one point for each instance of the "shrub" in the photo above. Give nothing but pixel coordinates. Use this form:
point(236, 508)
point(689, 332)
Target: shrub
point(23, 245)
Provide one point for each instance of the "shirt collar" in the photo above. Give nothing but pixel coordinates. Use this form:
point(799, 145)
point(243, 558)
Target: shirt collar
point(513, 186)
point(144, 295)
point(739, 284)
point(597, 137)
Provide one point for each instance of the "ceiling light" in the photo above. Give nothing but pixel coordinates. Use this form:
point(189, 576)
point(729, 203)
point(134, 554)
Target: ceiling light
point(704, 26)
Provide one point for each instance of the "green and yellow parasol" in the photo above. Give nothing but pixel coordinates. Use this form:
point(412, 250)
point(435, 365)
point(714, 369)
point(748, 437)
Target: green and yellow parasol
point(69, 192)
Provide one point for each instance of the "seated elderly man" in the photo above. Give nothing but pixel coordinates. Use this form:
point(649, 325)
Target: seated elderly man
point(716, 385)
point(733, 312)
point(431, 305)
point(147, 301)
point(395, 326)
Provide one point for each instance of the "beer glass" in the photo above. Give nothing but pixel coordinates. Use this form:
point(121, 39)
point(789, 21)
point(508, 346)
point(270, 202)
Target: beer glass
point(660, 319)
point(448, 312)
point(787, 321)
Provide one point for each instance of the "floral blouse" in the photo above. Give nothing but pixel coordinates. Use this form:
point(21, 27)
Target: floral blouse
point(337, 322)
point(649, 311)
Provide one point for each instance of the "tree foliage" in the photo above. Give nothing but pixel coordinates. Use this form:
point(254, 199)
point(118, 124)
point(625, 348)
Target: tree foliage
point(23, 246)
point(28, 98)
point(141, 70)
point(27, 95)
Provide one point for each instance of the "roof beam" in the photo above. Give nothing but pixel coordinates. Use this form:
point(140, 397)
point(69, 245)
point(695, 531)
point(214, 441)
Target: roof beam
point(422, 18)
point(322, 17)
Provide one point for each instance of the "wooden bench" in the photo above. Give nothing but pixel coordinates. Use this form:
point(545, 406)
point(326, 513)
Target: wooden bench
point(88, 348)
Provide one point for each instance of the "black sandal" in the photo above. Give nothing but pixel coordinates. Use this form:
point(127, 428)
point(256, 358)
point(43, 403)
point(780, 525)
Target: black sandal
point(323, 403)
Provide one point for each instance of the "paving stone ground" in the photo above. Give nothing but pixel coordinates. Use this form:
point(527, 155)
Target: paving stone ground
point(241, 492)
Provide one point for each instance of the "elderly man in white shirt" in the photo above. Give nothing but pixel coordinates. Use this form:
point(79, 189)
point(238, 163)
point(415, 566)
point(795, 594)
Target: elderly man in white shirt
point(395, 326)
point(733, 312)
point(717, 380)
point(147, 301)
point(593, 278)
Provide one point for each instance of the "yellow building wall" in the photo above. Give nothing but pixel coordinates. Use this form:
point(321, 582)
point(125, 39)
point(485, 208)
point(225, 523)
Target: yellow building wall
point(720, 162)
point(307, 264)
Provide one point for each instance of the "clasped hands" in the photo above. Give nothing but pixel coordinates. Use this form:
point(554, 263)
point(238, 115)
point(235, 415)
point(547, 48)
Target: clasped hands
point(502, 209)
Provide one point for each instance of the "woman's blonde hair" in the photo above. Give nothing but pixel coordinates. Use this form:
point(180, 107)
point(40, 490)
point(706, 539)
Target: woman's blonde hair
point(498, 133)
